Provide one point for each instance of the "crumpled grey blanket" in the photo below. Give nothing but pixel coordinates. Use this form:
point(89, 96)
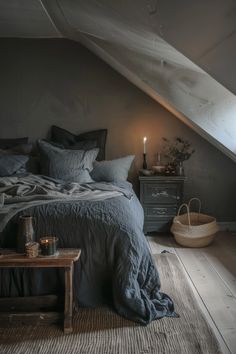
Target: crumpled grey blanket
point(20, 192)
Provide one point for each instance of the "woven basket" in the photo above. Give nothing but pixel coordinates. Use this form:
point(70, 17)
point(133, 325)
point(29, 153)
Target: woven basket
point(194, 229)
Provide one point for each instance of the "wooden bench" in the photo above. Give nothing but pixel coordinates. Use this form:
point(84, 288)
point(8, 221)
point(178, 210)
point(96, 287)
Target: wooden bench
point(64, 259)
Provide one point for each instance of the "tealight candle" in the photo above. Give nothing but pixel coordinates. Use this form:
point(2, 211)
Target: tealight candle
point(48, 245)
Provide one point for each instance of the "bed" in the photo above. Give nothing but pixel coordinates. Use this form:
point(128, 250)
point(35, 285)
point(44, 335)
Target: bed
point(105, 220)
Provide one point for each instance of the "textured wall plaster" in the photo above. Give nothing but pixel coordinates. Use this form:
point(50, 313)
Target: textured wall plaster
point(45, 82)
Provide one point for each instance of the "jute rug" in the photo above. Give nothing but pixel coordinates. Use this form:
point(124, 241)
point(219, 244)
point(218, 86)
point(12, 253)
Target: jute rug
point(101, 331)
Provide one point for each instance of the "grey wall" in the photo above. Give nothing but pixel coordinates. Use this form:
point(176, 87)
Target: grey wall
point(45, 82)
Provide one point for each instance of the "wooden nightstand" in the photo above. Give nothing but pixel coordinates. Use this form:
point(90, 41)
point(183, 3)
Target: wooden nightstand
point(160, 197)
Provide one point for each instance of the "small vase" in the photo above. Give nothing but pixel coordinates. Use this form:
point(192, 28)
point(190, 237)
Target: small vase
point(25, 232)
point(180, 169)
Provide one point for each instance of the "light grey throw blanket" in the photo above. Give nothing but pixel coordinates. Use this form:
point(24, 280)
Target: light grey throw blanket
point(21, 192)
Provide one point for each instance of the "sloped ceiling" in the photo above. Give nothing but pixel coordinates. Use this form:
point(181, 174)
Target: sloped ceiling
point(182, 53)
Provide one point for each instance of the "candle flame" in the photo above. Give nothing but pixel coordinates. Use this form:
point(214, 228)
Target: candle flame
point(44, 241)
point(145, 139)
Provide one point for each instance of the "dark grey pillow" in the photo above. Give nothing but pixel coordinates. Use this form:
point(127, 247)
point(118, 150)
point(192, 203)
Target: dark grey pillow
point(22, 149)
point(84, 145)
point(91, 139)
point(9, 143)
point(32, 164)
point(11, 164)
point(68, 165)
point(113, 170)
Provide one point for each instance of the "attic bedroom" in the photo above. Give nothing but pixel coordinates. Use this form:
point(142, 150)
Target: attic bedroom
point(117, 177)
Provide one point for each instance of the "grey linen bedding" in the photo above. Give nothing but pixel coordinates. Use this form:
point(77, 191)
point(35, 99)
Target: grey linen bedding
point(115, 265)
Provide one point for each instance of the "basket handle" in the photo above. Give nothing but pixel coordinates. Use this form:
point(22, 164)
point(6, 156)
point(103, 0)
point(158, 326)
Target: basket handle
point(187, 207)
point(199, 204)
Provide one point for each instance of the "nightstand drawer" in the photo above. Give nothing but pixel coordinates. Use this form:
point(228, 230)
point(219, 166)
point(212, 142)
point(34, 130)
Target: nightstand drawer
point(157, 212)
point(160, 197)
point(161, 193)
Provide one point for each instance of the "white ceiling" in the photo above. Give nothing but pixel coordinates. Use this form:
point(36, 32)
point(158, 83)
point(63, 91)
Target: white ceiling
point(182, 53)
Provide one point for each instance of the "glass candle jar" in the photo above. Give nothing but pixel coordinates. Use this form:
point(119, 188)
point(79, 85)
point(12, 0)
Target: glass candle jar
point(48, 245)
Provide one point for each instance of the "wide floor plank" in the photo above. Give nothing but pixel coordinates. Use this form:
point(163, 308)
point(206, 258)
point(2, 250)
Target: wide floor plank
point(160, 244)
point(222, 256)
point(216, 296)
point(212, 273)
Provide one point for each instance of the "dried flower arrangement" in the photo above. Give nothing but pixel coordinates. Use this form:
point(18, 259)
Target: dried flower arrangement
point(177, 150)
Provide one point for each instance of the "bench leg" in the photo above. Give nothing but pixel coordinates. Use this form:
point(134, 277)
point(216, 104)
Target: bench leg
point(68, 299)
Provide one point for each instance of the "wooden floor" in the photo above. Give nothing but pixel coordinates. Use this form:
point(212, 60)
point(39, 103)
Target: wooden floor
point(212, 274)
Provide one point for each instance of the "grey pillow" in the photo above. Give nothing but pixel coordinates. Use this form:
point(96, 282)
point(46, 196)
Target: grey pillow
point(32, 164)
point(113, 170)
point(91, 139)
point(9, 143)
point(22, 149)
point(84, 145)
point(68, 165)
point(10, 164)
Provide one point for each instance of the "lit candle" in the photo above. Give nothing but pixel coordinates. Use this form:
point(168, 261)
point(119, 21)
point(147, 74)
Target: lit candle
point(48, 245)
point(144, 144)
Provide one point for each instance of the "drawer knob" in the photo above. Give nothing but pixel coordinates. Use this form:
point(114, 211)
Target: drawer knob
point(160, 211)
point(160, 194)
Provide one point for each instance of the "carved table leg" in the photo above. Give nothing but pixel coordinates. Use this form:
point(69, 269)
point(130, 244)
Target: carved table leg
point(68, 299)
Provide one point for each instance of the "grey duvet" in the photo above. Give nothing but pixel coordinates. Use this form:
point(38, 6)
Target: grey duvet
point(115, 267)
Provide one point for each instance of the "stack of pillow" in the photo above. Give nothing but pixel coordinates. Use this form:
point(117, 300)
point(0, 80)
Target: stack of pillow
point(93, 143)
point(69, 157)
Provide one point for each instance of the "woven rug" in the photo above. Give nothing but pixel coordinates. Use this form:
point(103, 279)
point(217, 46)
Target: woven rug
point(101, 331)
